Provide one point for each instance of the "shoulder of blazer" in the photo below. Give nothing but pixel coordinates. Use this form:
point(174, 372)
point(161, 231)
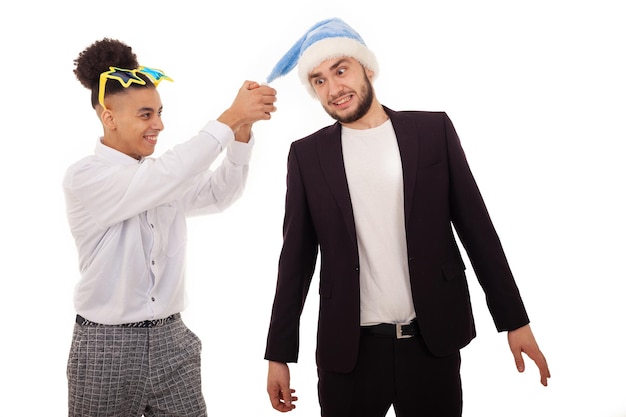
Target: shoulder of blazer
point(425, 124)
point(414, 115)
point(325, 132)
point(398, 118)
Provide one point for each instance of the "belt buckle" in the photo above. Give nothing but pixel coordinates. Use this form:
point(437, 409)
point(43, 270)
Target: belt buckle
point(399, 334)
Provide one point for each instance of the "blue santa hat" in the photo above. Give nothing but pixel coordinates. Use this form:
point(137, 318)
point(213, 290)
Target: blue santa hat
point(330, 38)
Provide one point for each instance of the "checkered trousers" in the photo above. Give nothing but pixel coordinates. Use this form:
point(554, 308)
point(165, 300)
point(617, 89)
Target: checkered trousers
point(133, 371)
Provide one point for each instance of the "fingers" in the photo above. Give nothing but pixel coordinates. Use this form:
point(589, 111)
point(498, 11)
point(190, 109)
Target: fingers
point(519, 361)
point(259, 100)
point(534, 353)
point(544, 378)
point(538, 358)
point(540, 361)
point(282, 399)
point(522, 341)
point(544, 371)
point(253, 102)
point(281, 402)
point(281, 395)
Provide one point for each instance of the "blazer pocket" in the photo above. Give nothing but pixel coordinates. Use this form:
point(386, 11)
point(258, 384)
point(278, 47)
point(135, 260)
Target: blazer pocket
point(453, 271)
point(435, 163)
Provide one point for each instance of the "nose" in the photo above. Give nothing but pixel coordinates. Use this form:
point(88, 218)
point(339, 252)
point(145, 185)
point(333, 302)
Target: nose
point(334, 86)
point(158, 124)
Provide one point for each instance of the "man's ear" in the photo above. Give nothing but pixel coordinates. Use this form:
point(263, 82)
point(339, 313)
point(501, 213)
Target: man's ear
point(370, 73)
point(107, 119)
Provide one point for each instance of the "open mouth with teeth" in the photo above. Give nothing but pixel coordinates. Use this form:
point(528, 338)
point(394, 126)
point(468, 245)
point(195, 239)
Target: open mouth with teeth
point(343, 101)
point(151, 139)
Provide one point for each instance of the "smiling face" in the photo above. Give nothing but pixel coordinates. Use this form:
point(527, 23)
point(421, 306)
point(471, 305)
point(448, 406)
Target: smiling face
point(132, 121)
point(344, 88)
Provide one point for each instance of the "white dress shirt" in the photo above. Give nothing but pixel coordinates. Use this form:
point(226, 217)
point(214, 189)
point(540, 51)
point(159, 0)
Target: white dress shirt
point(128, 221)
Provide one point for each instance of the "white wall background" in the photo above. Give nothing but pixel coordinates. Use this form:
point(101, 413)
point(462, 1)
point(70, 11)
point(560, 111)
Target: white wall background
point(536, 91)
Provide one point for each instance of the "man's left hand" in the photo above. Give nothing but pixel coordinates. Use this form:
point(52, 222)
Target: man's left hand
point(523, 340)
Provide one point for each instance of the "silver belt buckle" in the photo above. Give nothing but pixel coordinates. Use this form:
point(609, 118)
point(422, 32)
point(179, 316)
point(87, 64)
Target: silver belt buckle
point(399, 334)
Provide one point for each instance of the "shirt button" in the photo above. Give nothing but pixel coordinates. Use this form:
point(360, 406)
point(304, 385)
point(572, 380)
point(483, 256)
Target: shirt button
point(153, 262)
point(152, 298)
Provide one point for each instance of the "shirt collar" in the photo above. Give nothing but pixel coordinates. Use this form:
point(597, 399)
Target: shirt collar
point(113, 155)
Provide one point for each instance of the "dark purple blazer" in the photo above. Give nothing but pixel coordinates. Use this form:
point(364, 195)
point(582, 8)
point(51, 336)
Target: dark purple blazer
point(439, 191)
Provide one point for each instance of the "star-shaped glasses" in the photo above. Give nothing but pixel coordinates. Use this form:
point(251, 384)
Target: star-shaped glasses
point(127, 77)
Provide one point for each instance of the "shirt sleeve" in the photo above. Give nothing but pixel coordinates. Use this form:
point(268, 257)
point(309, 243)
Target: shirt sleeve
point(112, 192)
point(218, 189)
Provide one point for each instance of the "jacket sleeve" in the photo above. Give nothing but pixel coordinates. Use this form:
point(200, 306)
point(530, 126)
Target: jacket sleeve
point(479, 238)
point(295, 269)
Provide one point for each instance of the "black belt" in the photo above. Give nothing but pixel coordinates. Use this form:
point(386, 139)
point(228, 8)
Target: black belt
point(146, 323)
point(396, 330)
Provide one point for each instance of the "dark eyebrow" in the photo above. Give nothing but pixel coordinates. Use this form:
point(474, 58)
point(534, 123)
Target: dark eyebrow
point(336, 64)
point(332, 67)
point(148, 109)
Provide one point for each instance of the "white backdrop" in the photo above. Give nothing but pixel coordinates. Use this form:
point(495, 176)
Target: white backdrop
point(535, 89)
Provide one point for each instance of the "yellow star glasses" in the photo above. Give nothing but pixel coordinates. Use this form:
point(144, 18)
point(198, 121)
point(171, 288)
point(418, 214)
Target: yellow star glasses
point(127, 77)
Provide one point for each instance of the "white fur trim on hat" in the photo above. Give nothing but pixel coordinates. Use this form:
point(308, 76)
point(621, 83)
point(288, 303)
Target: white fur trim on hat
point(330, 38)
point(329, 48)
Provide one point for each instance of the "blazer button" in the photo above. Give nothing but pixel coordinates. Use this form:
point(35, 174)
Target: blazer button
point(356, 269)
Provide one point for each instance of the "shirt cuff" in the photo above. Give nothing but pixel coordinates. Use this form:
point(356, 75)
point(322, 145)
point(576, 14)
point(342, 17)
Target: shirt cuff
point(240, 153)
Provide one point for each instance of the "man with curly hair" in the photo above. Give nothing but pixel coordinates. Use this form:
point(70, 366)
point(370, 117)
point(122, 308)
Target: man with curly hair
point(131, 353)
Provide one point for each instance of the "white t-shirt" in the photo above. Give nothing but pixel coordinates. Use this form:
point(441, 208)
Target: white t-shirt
point(374, 173)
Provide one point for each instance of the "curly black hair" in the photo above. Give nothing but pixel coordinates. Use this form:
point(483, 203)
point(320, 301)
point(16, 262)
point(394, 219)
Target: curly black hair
point(97, 58)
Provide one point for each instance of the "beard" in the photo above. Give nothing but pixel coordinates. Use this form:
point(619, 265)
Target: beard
point(367, 92)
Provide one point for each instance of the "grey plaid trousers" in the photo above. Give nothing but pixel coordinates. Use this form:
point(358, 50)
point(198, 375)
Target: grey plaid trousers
point(117, 371)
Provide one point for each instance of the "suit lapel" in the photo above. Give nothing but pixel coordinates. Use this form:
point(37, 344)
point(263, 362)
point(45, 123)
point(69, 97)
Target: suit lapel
point(408, 144)
point(331, 160)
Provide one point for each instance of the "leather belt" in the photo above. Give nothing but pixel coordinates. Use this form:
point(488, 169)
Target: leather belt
point(395, 330)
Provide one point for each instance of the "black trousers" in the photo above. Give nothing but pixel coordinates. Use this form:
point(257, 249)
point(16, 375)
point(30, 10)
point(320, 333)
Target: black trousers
point(398, 372)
